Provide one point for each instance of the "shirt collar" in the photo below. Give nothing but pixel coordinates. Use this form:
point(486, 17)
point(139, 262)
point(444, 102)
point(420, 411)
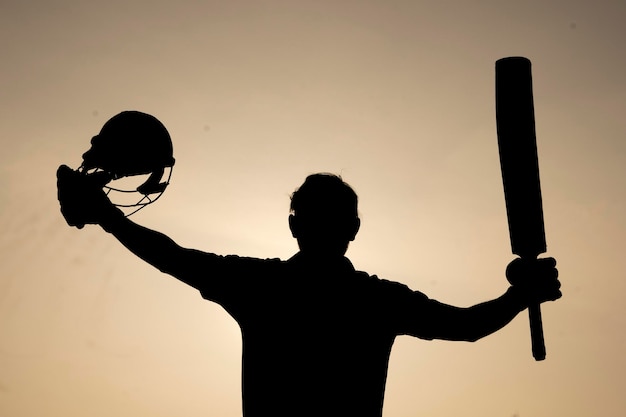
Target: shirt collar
point(311, 262)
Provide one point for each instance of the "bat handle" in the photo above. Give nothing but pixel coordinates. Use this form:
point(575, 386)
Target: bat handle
point(536, 332)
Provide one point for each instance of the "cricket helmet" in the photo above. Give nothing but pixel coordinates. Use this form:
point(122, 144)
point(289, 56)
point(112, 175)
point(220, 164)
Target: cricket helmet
point(132, 145)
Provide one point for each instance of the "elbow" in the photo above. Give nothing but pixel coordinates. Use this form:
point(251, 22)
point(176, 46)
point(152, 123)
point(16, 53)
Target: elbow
point(472, 334)
point(473, 338)
point(475, 334)
point(460, 337)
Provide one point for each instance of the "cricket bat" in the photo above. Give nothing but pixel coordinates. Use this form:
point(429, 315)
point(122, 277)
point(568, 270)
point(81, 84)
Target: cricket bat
point(517, 143)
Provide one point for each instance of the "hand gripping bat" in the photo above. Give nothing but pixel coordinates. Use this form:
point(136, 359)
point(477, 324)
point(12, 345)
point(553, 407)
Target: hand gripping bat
point(515, 120)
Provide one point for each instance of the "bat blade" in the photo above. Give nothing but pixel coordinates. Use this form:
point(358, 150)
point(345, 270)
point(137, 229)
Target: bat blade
point(517, 143)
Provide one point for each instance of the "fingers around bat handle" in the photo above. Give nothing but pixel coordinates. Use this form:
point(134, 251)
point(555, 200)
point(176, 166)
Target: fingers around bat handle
point(521, 270)
point(536, 279)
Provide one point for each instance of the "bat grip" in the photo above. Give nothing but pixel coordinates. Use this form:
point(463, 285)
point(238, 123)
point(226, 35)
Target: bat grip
point(536, 332)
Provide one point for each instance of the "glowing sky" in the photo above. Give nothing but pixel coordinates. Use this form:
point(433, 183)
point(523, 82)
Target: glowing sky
point(398, 97)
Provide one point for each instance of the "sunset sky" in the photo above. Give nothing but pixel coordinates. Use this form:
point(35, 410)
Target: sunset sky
point(398, 98)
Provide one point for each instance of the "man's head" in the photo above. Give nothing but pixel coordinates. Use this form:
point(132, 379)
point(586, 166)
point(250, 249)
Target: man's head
point(324, 216)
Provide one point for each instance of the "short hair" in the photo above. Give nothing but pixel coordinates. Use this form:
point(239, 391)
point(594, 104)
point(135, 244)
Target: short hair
point(325, 188)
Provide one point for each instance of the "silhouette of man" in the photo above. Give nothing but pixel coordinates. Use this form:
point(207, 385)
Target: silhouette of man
point(316, 333)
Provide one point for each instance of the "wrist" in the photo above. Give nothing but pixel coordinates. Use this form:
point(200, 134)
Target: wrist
point(111, 218)
point(517, 297)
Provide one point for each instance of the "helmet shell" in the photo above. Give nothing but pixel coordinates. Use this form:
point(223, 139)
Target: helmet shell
point(130, 143)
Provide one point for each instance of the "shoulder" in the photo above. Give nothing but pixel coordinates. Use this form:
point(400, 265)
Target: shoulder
point(246, 262)
point(374, 280)
point(393, 289)
point(236, 275)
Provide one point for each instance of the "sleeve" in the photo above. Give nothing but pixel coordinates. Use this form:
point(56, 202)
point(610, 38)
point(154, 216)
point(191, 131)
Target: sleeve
point(234, 281)
point(409, 312)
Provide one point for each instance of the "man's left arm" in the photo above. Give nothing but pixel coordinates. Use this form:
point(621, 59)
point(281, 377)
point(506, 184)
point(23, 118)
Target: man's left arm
point(531, 282)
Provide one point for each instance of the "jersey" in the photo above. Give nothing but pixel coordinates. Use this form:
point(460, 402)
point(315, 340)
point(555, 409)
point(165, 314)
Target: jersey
point(316, 337)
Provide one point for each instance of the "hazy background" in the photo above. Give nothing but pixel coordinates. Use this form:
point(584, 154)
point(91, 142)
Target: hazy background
point(396, 96)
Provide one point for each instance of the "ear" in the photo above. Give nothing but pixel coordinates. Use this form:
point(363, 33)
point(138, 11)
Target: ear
point(356, 226)
point(293, 225)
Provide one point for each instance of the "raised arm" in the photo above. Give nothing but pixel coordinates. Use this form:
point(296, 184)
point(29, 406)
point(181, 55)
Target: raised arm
point(161, 251)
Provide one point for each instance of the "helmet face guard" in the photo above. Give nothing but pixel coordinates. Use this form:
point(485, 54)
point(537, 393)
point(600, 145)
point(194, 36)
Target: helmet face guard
point(132, 146)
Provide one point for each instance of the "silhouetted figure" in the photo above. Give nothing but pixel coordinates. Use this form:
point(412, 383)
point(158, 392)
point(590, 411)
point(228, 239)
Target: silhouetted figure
point(316, 333)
